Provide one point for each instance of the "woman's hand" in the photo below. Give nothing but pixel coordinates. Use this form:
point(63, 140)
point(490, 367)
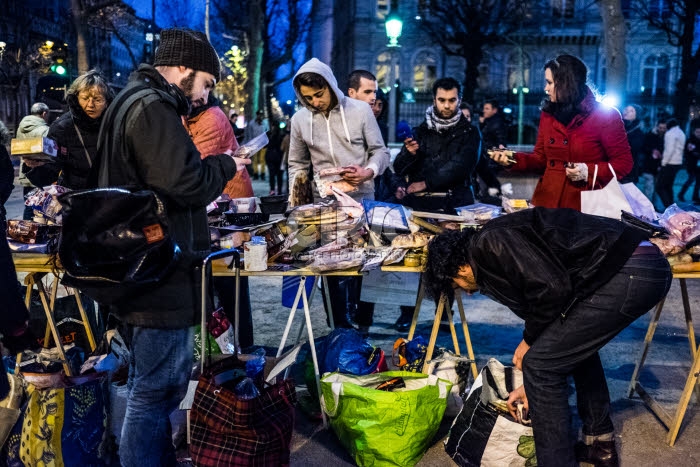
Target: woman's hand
point(502, 156)
point(520, 354)
point(517, 396)
point(577, 172)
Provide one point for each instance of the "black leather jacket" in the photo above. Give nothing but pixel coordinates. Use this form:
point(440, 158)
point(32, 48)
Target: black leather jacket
point(539, 262)
point(155, 152)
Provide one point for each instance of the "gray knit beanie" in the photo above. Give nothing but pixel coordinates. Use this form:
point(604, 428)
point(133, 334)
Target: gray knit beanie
point(188, 48)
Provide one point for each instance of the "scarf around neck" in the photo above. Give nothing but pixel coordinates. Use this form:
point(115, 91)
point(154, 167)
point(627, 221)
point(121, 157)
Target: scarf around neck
point(440, 124)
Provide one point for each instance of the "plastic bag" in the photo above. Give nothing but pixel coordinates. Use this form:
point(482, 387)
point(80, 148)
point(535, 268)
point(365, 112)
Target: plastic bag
point(483, 434)
point(684, 225)
point(383, 428)
point(248, 149)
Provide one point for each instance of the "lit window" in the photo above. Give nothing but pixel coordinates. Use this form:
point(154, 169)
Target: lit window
point(425, 66)
point(513, 71)
point(655, 73)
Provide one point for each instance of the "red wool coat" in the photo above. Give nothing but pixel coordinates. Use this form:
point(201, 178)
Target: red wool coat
point(595, 136)
point(211, 132)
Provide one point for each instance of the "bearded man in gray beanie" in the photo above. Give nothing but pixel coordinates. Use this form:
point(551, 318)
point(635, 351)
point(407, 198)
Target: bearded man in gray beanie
point(143, 144)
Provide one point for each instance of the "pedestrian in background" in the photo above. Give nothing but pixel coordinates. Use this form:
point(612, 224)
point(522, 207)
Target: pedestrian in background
point(274, 158)
point(692, 158)
point(486, 185)
point(652, 149)
point(494, 130)
point(34, 125)
point(576, 133)
point(671, 161)
point(631, 116)
point(75, 133)
point(253, 129)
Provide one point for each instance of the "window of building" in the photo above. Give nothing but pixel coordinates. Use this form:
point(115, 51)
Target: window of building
point(659, 9)
point(425, 66)
point(655, 75)
point(562, 8)
point(514, 72)
point(383, 8)
point(382, 65)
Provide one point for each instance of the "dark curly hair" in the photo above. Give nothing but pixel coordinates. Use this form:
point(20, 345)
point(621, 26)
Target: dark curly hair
point(447, 252)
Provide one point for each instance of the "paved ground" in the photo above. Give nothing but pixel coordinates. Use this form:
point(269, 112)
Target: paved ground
point(495, 332)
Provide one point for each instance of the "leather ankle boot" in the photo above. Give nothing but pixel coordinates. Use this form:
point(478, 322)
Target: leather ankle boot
point(598, 454)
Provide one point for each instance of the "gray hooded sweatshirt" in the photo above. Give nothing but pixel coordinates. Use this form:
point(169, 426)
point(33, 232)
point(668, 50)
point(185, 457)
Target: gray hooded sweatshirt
point(349, 136)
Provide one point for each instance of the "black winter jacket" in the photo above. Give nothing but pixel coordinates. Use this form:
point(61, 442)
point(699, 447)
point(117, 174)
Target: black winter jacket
point(72, 165)
point(154, 151)
point(494, 131)
point(444, 161)
point(539, 262)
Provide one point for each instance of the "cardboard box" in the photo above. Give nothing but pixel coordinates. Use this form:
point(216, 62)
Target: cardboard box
point(40, 149)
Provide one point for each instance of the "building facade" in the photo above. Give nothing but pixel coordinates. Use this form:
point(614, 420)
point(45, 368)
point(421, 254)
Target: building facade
point(351, 34)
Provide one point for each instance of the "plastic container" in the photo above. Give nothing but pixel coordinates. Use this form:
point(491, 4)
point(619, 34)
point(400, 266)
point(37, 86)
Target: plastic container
point(255, 254)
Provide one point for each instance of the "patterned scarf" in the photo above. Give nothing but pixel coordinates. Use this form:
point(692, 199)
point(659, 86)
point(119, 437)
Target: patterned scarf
point(440, 124)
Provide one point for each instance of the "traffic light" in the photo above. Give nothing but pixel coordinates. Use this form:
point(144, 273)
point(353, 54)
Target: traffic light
point(58, 69)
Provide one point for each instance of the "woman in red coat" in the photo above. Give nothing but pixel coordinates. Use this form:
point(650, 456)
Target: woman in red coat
point(576, 133)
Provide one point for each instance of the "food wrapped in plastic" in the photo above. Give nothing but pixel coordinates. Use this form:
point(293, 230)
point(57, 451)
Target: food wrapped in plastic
point(338, 260)
point(479, 213)
point(669, 246)
point(414, 240)
point(685, 225)
point(513, 205)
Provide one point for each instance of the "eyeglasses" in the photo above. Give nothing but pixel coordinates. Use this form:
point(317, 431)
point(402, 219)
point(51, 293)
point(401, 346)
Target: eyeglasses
point(95, 100)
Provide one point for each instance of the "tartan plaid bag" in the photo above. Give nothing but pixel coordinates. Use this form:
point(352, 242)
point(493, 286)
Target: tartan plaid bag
point(230, 431)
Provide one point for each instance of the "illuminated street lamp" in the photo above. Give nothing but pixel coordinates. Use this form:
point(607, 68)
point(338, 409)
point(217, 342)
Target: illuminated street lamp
point(393, 26)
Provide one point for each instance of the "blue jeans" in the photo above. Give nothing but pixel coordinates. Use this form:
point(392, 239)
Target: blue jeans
point(159, 371)
point(571, 348)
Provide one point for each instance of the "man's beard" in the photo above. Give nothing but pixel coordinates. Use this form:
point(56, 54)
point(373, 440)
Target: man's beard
point(187, 86)
point(441, 115)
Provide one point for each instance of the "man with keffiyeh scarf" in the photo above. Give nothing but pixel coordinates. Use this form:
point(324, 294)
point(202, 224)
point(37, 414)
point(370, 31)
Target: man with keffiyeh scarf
point(438, 161)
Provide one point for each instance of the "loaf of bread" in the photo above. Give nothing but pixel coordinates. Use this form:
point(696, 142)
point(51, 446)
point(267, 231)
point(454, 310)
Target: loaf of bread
point(414, 240)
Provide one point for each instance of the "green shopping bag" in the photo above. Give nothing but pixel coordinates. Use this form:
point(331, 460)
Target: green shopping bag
point(385, 428)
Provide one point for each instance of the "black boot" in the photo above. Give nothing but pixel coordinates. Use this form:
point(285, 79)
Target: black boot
point(598, 454)
point(404, 322)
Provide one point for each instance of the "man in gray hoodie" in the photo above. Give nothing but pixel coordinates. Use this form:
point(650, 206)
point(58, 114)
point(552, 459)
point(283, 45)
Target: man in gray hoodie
point(332, 131)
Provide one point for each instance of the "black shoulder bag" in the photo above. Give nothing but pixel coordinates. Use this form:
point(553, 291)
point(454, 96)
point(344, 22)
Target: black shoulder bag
point(115, 242)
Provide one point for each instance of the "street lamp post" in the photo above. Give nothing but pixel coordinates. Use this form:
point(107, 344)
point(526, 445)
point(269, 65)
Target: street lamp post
point(393, 32)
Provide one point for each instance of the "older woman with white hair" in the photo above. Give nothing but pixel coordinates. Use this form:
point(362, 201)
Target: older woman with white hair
point(76, 133)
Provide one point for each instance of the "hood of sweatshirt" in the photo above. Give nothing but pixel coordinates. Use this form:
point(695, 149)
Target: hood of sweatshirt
point(32, 126)
point(317, 66)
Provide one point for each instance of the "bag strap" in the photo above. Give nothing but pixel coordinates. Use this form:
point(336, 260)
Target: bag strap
point(110, 136)
point(595, 174)
point(80, 137)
